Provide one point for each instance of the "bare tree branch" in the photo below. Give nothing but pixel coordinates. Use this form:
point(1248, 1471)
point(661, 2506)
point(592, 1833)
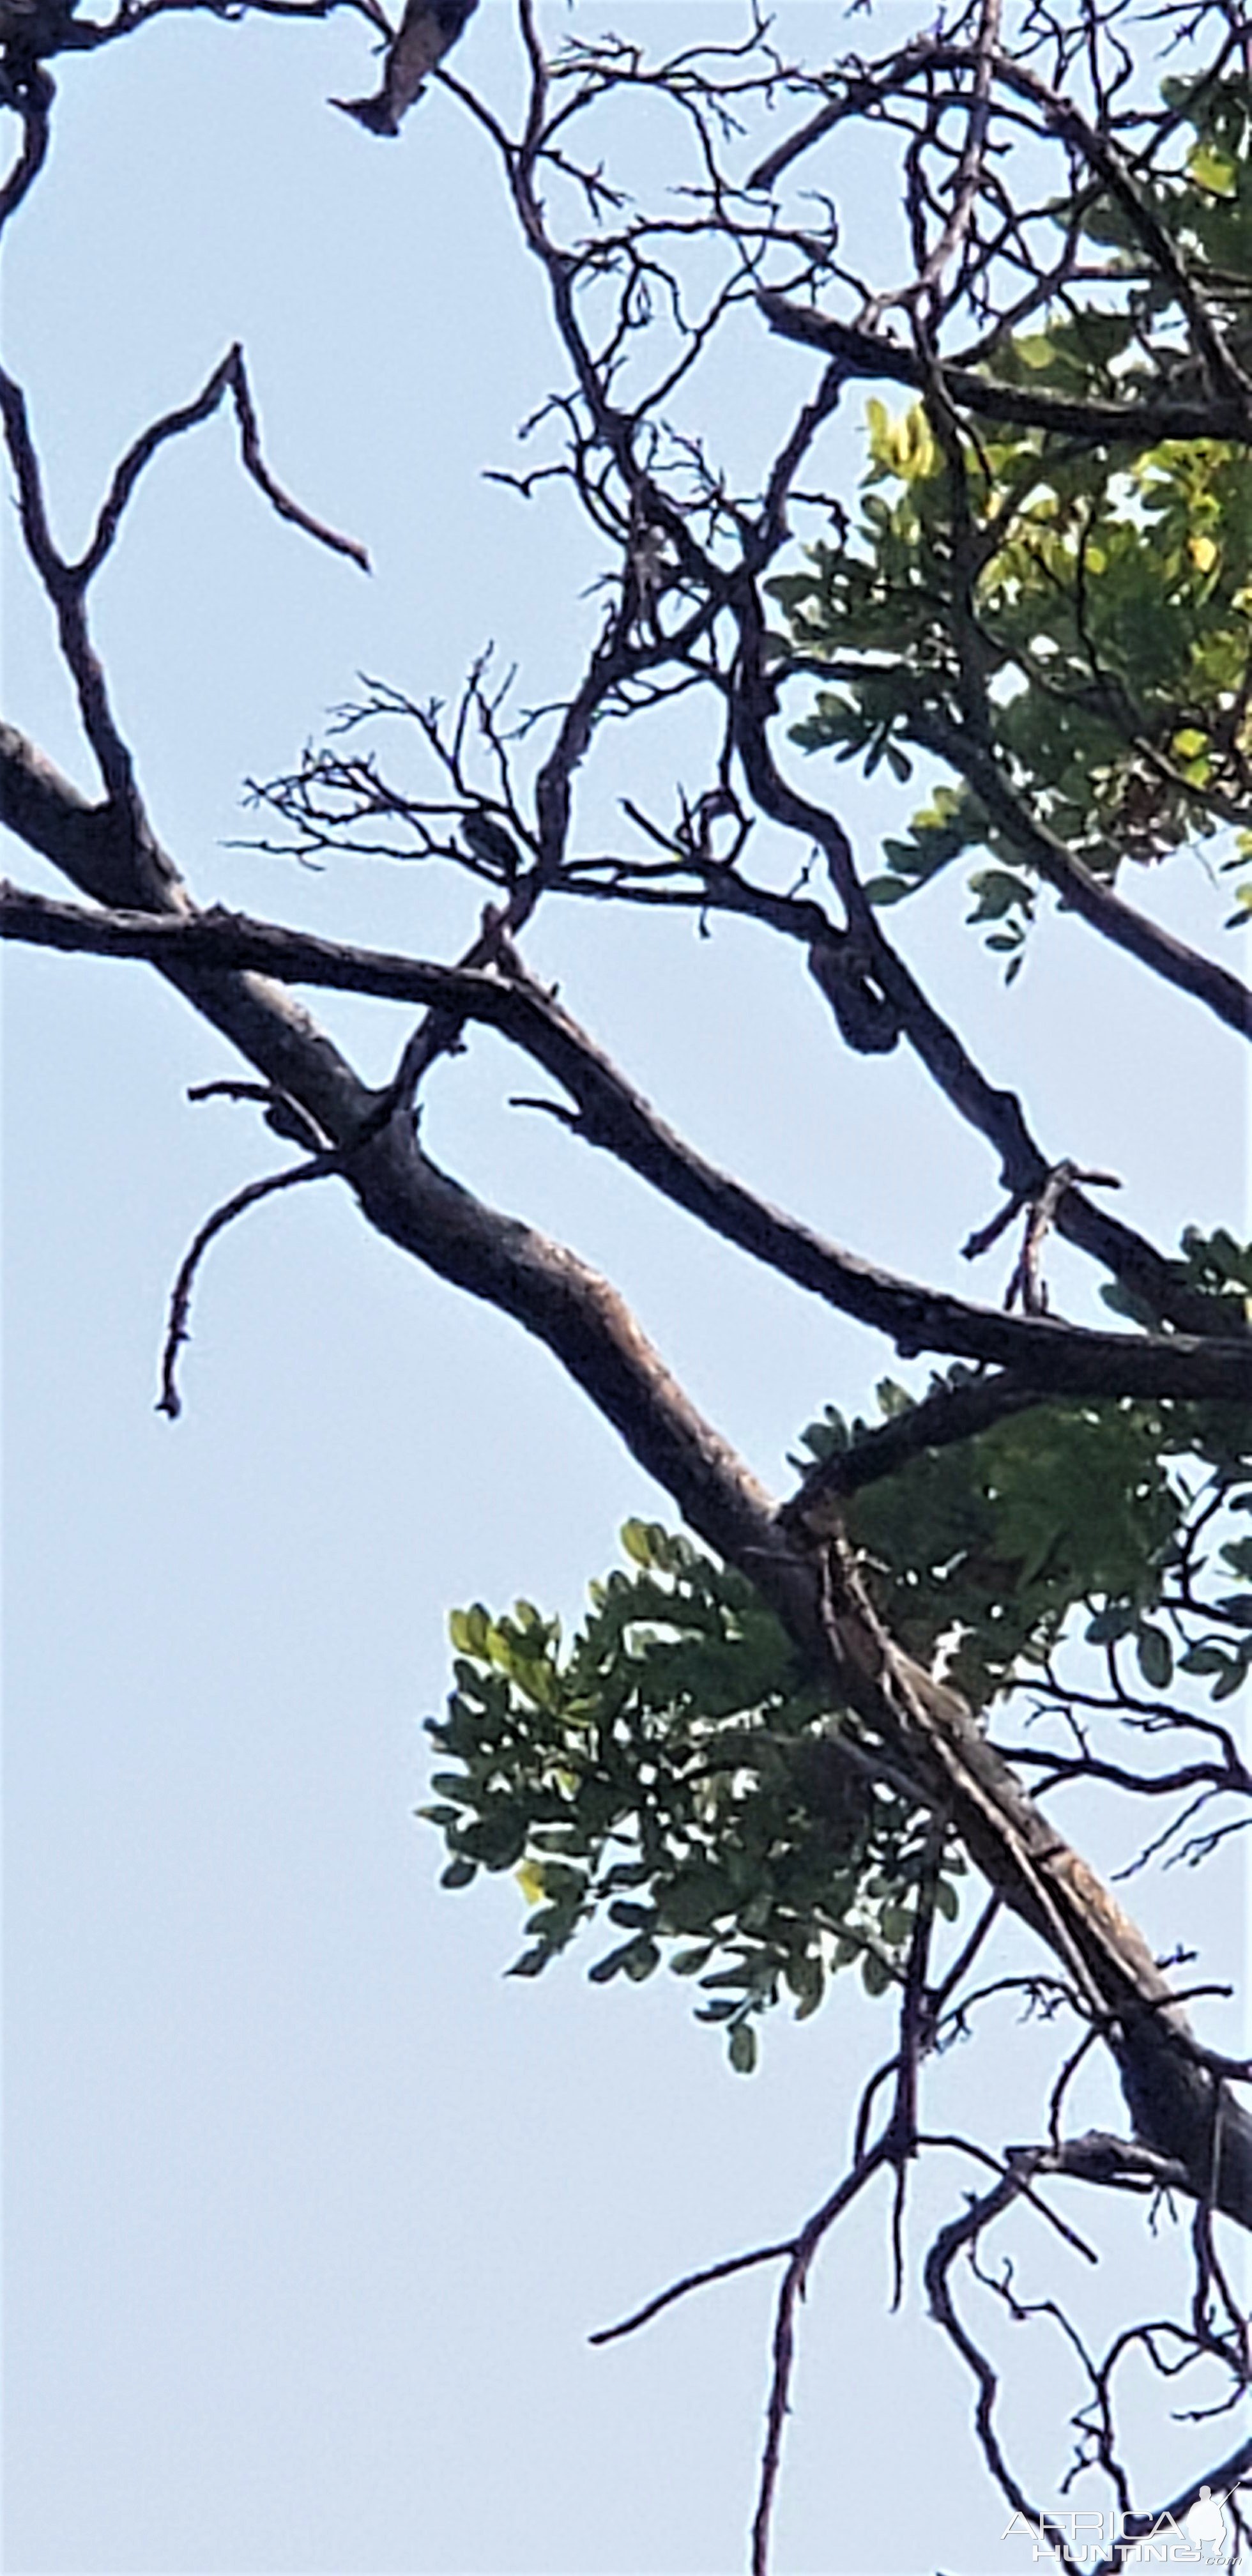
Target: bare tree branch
point(29, 90)
point(1054, 1357)
point(1132, 424)
point(681, 558)
point(1079, 889)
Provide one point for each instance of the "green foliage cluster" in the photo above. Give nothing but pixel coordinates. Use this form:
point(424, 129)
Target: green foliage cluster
point(988, 1548)
point(1213, 1263)
point(672, 1767)
point(1103, 596)
point(668, 1765)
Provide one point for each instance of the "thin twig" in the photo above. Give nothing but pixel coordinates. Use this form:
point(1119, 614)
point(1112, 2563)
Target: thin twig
point(701, 2280)
point(177, 1330)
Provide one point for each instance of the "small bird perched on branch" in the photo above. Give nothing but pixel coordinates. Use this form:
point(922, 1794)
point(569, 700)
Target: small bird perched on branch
point(491, 844)
point(428, 30)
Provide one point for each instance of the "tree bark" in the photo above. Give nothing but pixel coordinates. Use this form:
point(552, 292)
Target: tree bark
point(1177, 2103)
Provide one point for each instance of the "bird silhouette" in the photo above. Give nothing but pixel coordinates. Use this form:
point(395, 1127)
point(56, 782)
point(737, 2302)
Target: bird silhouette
point(428, 30)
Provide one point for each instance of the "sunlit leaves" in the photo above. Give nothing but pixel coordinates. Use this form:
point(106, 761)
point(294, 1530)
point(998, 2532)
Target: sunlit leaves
point(1104, 592)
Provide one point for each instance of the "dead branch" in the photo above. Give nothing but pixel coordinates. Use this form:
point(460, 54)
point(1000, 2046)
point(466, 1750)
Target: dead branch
point(1047, 1354)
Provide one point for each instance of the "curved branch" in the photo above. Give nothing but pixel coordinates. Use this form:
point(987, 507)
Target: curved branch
point(229, 376)
point(953, 2239)
point(29, 92)
point(1079, 889)
point(937, 1422)
point(995, 1114)
point(868, 354)
point(1109, 2162)
point(1050, 1356)
point(1177, 2104)
point(791, 2290)
point(726, 2270)
point(178, 1329)
point(66, 584)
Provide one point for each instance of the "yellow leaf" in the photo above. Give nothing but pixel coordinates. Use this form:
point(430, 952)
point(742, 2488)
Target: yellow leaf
point(878, 423)
point(1214, 169)
point(1203, 553)
point(530, 1880)
point(917, 445)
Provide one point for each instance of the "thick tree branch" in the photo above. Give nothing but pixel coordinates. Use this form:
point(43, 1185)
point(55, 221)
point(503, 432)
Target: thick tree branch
point(103, 858)
point(591, 1331)
point(1133, 424)
point(675, 607)
point(596, 1339)
point(86, 841)
point(1180, 2107)
point(1050, 1356)
point(1174, 2100)
point(1176, 2105)
point(41, 29)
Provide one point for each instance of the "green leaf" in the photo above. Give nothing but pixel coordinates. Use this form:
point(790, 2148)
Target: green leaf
point(469, 1629)
point(1231, 1680)
point(998, 893)
point(741, 2048)
point(688, 1963)
point(1237, 1607)
point(531, 1962)
point(497, 1837)
point(1203, 1660)
point(451, 1784)
point(611, 1965)
point(1108, 1625)
point(1156, 1656)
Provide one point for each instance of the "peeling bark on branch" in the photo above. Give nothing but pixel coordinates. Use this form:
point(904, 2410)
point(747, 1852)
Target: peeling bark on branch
point(1176, 2104)
point(1049, 1355)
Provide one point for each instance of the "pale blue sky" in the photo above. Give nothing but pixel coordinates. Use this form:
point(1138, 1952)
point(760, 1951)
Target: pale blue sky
point(309, 2211)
